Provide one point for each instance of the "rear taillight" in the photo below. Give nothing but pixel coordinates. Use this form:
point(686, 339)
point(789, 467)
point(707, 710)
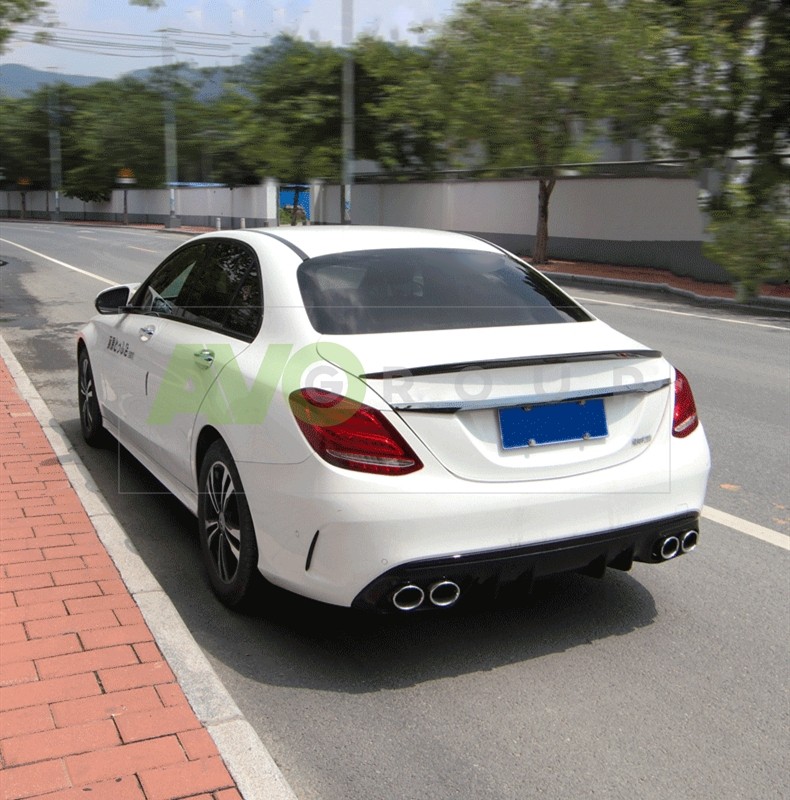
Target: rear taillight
point(685, 418)
point(351, 435)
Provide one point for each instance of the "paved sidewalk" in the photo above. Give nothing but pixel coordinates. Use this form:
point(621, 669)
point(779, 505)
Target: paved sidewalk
point(89, 707)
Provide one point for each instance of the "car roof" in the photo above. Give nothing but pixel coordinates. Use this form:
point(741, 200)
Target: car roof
point(310, 241)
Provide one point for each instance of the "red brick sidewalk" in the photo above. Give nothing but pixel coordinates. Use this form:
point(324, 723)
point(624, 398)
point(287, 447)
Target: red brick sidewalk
point(88, 705)
point(655, 276)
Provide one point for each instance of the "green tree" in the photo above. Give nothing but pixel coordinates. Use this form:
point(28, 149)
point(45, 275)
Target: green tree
point(528, 82)
point(223, 131)
point(728, 63)
point(637, 79)
point(178, 85)
point(24, 139)
point(728, 67)
point(400, 119)
point(112, 125)
point(752, 243)
point(768, 129)
point(287, 108)
point(292, 130)
point(17, 12)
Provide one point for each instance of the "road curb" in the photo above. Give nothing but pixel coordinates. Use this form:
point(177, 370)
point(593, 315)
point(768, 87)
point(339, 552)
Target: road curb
point(246, 757)
point(762, 305)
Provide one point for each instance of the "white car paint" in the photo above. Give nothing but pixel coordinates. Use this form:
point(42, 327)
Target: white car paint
point(328, 532)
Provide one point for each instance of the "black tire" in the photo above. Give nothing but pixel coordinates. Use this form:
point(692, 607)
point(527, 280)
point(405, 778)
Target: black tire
point(227, 534)
point(90, 415)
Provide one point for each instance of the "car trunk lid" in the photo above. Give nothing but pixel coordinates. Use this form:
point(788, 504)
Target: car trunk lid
point(521, 403)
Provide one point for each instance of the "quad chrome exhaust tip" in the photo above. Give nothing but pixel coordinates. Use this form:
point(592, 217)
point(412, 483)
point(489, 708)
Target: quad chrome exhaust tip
point(444, 594)
point(689, 541)
point(408, 597)
point(667, 548)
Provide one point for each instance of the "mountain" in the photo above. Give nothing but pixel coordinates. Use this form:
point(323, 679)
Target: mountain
point(209, 82)
point(17, 80)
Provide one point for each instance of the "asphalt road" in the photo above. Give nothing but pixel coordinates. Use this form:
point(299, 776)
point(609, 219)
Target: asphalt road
point(667, 681)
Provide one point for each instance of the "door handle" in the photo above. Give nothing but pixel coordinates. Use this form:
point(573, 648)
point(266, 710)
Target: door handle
point(205, 358)
point(147, 332)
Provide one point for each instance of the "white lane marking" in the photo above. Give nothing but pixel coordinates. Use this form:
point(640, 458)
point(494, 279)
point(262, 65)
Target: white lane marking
point(59, 263)
point(89, 238)
point(744, 526)
point(120, 231)
point(683, 313)
point(144, 249)
point(131, 231)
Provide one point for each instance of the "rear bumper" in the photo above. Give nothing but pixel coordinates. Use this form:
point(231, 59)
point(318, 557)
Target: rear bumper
point(485, 573)
point(340, 537)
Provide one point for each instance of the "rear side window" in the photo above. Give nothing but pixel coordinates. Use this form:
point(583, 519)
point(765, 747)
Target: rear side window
point(383, 291)
point(215, 286)
point(224, 291)
point(245, 312)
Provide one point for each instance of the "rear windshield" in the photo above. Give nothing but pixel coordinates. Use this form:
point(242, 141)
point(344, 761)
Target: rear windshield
point(381, 291)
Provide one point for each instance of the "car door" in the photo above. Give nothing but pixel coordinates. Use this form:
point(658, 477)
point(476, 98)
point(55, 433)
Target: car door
point(211, 320)
point(127, 355)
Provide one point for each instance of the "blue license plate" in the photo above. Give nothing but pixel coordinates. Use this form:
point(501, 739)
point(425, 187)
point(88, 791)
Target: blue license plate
point(553, 423)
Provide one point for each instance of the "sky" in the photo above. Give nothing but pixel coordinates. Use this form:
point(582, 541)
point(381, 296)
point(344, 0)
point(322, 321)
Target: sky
point(107, 38)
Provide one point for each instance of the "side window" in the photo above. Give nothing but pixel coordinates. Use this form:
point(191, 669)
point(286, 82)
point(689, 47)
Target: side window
point(160, 294)
point(223, 291)
point(244, 316)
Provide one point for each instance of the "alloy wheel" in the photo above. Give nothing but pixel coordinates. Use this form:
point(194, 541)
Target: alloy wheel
point(222, 525)
point(87, 395)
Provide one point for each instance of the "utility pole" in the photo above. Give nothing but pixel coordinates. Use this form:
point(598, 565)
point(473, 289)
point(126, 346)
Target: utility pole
point(171, 150)
point(348, 112)
point(55, 157)
point(171, 153)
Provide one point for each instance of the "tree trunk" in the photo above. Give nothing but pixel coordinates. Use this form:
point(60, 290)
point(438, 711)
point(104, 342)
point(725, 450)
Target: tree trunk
point(545, 188)
point(294, 208)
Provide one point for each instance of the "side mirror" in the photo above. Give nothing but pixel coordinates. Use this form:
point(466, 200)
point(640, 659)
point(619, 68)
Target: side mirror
point(113, 300)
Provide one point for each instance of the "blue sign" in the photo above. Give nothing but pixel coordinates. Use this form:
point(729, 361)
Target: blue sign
point(288, 193)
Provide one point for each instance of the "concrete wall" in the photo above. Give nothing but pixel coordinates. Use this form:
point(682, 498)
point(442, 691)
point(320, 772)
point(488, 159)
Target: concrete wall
point(257, 205)
point(651, 222)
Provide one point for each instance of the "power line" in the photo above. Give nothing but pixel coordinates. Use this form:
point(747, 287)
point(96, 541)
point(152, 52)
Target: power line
point(208, 34)
point(135, 45)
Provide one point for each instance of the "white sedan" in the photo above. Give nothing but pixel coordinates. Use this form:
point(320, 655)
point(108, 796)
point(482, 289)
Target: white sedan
point(391, 418)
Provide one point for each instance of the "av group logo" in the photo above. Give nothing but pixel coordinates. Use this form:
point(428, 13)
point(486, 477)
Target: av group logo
point(226, 395)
